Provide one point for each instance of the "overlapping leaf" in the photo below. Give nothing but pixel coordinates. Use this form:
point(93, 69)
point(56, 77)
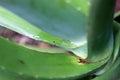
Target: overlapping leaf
point(100, 29)
point(112, 73)
point(22, 62)
point(66, 19)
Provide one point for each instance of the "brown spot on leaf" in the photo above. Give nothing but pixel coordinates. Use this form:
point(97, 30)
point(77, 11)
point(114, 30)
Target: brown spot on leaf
point(21, 61)
point(78, 57)
point(83, 61)
point(54, 41)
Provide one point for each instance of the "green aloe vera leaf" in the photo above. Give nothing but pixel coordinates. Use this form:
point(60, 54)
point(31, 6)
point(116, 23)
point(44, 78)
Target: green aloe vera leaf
point(38, 65)
point(60, 18)
point(66, 19)
point(100, 29)
point(117, 39)
point(13, 22)
point(4, 75)
point(115, 53)
point(112, 73)
point(78, 16)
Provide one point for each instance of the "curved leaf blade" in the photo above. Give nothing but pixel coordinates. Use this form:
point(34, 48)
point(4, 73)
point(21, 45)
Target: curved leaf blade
point(29, 63)
point(109, 75)
point(66, 19)
point(54, 18)
point(100, 29)
point(9, 20)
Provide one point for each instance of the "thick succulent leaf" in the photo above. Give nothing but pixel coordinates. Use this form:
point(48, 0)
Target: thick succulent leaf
point(9, 20)
point(117, 17)
point(66, 19)
point(25, 63)
point(54, 19)
point(4, 75)
point(61, 17)
point(100, 29)
point(117, 40)
point(115, 53)
point(112, 73)
point(113, 64)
